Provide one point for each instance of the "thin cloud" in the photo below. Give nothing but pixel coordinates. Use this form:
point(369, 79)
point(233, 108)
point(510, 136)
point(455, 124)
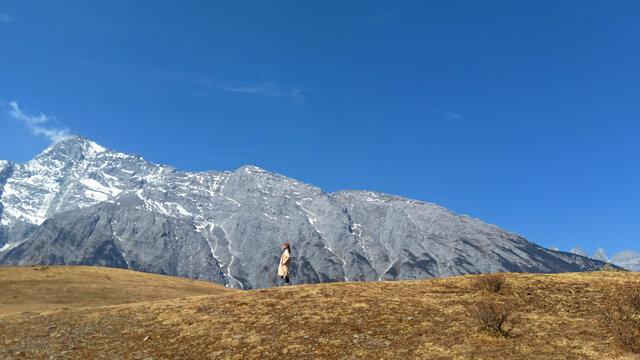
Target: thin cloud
point(452, 115)
point(37, 123)
point(263, 90)
point(266, 90)
point(6, 18)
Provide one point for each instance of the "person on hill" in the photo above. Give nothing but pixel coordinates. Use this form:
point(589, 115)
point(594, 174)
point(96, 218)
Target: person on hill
point(285, 260)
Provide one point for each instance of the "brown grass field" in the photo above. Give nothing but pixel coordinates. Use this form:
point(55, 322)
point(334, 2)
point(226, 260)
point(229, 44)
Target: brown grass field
point(99, 313)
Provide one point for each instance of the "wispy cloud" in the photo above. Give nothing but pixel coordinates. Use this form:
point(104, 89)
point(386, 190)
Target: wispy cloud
point(452, 115)
point(266, 90)
point(261, 90)
point(37, 123)
point(6, 18)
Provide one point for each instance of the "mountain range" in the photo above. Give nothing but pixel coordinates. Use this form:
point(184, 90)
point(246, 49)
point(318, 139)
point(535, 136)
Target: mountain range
point(78, 203)
point(627, 259)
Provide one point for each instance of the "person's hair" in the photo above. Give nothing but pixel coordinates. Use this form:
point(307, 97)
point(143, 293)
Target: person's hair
point(287, 244)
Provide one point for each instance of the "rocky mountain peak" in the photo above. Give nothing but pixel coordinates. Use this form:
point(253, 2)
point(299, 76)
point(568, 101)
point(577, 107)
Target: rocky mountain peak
point(601, 255)
point(72, 148)
point(79, 203)
point(579, 251)
point(628, 259)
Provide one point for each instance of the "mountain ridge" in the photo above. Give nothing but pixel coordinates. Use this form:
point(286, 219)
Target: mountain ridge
point(228, 226)
point(626, 259)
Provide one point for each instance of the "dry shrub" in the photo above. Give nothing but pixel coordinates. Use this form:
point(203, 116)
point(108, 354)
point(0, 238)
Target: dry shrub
point(490, 282)
point(492, 317)
point(622, 314)
point(607, 267)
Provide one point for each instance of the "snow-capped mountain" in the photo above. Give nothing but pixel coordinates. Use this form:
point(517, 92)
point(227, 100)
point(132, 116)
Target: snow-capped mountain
point(626, 259)
point(579, 251)
point(79, 203)
point(601, 255)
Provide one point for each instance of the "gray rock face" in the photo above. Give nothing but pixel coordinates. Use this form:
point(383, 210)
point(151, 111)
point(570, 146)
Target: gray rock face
point(601, 255)
point(94, 236)
point(579, 251)
point(79, 203)
point(627, 259)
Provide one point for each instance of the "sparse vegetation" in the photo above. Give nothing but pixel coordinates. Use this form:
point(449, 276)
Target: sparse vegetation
point(492, 317)
point(622, 315)
point(552, 317)
point(490, 282)
point(608, 267)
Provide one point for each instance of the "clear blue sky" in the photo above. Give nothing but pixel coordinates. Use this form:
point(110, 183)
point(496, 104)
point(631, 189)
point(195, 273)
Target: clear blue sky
point(525, 114)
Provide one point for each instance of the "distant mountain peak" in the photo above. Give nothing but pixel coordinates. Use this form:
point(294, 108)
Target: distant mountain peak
point(253, 169)
point(73, 147)
point(579, 251)
point(628, 259)
point(601, 255)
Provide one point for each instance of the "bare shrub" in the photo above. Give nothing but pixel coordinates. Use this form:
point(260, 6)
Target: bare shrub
point(492, 317)
point(490, 282)
point(608, 267)
point(622, 315)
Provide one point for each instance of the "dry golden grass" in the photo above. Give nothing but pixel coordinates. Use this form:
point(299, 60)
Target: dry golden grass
point(558, 316)
point(47, 288)
point(622, 313)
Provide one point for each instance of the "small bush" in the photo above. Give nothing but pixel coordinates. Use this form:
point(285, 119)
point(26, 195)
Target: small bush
point(492, 317)
point(608, 267)
point(622, 314)
point(490, 282)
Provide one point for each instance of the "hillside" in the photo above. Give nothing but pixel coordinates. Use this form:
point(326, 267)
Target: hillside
point(557, 316)
point(47, 288)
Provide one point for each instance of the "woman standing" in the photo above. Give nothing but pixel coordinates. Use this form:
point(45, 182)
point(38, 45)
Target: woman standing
point(285, 259)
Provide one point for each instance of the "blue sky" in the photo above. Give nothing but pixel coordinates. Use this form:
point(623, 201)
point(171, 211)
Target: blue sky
point(524, 114)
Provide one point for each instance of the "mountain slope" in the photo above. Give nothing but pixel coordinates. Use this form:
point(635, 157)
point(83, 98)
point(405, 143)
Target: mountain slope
point(79, 203)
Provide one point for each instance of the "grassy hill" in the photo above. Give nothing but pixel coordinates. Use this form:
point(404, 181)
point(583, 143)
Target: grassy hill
point(47, 288)
point(556, 316)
